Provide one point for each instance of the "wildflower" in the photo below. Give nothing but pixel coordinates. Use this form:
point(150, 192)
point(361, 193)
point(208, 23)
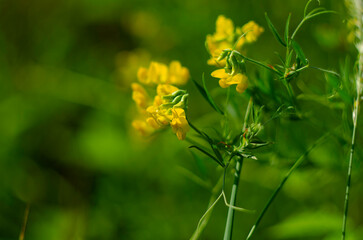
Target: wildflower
point(252, 30)
point(167, 107)
point(223, 38)
point(142, 127)
point(156, 73)
point(159, 73)
point(228, 79)
point(226, 36)
point(139, 95)
point(179, 123)
point(177, 74)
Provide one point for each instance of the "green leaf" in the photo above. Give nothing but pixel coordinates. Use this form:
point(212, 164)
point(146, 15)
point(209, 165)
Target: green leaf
point(299, 52)
point(216, 152)
point(204, 91)
point(209, 155)
point(287, 29)
point(274, 31)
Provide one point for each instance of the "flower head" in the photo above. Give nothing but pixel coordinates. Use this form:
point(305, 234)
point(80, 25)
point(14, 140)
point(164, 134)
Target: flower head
point(159, 73)
point(167, 108)
point(226, 35)
point(252, 30)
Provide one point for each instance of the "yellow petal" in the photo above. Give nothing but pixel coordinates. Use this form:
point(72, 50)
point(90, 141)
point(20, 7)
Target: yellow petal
point(220, 73)
point(165, 89)
point(222, 83)
point(151, 121)
point(142, 127)
point(242, 86)
point(142, 75)
point(234, 79)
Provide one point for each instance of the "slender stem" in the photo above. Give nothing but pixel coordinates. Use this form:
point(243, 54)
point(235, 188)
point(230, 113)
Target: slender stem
point(297, 28)
point(349, 174)
point(230, 216)
point(277, 190)
point(359, 78)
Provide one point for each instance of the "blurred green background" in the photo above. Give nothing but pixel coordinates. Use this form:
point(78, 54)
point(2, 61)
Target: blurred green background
point(67, 148)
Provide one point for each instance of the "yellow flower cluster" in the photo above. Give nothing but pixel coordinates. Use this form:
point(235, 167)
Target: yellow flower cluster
point(226, 36)
point(160, 73)
point(168, 105)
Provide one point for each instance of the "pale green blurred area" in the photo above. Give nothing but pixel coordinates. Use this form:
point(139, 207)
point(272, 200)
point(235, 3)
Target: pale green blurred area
point(67, 148)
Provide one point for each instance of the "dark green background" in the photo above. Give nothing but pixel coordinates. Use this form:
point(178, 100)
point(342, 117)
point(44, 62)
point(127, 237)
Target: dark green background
point(67, 148)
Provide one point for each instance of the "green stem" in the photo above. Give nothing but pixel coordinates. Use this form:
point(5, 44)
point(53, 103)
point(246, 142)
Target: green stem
point(277, 190)
point(230, 216)
point(349, 174)
point(298, 27)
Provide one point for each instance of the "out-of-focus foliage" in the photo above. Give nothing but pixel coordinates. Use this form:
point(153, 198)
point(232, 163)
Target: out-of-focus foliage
point(67, 148)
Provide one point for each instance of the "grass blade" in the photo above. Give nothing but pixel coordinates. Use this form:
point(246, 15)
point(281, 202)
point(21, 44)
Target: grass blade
point(299, 52)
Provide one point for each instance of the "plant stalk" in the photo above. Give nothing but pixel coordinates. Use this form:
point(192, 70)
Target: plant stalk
point(230, 216)
point(349, 174)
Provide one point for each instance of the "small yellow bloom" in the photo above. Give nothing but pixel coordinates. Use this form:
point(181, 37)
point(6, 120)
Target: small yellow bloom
point(222, 39)
point(139, 95)
point(165, 89)
point(177, 74)
point(160, 116)
point(179, 123)
point(253, 31)
point(224, 29)
point(142, 127)
point(227, 80)
point(155, 74)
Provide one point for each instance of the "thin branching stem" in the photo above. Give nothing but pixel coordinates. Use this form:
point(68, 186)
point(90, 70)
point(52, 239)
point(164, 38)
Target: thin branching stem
point(230, 216)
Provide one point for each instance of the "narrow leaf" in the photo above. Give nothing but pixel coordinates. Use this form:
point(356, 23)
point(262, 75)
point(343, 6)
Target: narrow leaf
point(274, 31)
point(209, 155)
point(203, 90)
point(287, 29)
point(299, 52)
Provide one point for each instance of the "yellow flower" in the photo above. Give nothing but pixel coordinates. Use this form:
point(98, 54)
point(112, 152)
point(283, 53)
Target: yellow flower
point(177, 74)
point(165, 89)
point(139, 95)
point(179, 123)
point(224, 29)
point(227, 80)
point(155, 74)
point(159, 73)
point(142, 127)
point(158, 117)
point(222, 39)
point(253, 31)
